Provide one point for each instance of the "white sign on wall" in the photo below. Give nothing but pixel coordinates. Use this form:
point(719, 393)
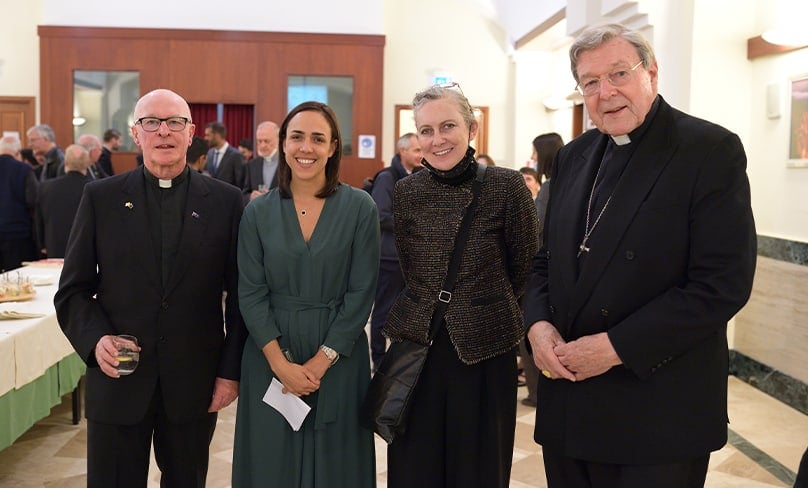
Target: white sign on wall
point(367, 146)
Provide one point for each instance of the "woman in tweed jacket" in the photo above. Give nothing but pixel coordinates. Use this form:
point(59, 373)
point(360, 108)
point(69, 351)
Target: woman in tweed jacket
point(460, 429)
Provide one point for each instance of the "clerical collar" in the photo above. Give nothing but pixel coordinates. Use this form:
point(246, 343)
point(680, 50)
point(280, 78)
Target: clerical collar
point(637, 133)
point(621, 140)
point(153, 180)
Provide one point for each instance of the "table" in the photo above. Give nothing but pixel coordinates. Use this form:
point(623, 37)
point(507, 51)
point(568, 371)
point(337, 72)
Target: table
point(37, 363)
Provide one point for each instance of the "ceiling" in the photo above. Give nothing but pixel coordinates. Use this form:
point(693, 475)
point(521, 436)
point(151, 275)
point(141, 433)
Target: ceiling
point(528, 24)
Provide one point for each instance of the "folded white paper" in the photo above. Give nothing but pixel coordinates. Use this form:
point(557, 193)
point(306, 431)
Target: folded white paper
point(293, 409)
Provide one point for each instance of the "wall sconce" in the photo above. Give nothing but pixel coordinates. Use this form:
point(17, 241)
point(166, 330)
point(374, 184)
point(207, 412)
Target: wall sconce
point(78, 121)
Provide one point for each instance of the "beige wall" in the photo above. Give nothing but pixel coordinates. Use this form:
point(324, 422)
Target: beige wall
point(773, 327)
point(424, 36)
point(19, 57)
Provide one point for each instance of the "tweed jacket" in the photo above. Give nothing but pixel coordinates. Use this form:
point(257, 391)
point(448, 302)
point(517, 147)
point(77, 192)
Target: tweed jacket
point(483, 317)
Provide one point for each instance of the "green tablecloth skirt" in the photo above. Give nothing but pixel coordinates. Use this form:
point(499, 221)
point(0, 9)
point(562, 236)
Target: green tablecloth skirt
point(20, 409)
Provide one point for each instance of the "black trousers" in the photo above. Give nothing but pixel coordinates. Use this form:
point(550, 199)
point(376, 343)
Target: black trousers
point(118, 455)
point(802, 472)
point(390, 284)
point(566, 472)
point(460, 431)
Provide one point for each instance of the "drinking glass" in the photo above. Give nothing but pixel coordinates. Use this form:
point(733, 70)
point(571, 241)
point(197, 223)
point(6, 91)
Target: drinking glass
point(128, 355)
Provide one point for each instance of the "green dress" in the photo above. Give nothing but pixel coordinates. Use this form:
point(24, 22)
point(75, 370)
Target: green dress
point(306, 295)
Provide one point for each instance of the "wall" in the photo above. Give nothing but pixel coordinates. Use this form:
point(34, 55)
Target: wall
point(173, 57)
point(19, 58)
point(423, 36)
point(542, 79)
point(310, 16)
point(778, 192)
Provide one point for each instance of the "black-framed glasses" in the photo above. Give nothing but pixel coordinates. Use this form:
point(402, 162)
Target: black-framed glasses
point(619, 77)
point(152, 124)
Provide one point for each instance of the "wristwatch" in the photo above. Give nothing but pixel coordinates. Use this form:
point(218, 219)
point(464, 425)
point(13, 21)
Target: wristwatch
point(331, 354)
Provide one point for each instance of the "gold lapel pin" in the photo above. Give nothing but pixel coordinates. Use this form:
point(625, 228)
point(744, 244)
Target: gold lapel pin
point(129, 205)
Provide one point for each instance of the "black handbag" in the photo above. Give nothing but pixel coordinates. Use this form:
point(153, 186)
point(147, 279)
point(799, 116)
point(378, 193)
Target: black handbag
point(389, 395)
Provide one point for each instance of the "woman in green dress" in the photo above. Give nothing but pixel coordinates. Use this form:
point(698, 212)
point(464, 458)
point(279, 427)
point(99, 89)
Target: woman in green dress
point(308, 257)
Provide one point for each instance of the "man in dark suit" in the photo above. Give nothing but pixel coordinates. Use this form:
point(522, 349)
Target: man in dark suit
point(391, 278)
point(261, 174)
point(58, 202)
point(112, 142)
point(224, 162)
point(94, 148)
point(43, 142)
point(18, 193)
point(649, 249)
point(151, 253)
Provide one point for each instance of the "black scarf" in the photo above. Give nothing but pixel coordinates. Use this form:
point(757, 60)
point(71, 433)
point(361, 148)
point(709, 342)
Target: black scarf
point(463, 171)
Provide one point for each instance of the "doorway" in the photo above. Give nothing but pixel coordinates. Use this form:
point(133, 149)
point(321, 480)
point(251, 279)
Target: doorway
point(16, 116)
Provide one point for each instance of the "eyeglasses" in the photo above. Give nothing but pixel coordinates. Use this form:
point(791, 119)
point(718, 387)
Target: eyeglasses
point(591, 86)
point(152, 124)
point(452, 85)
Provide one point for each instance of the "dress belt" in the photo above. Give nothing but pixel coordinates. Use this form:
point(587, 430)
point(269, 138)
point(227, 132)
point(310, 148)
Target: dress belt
point(295, 303)
point(326, 411)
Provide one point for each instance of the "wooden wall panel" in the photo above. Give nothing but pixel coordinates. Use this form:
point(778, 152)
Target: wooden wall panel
point(215, 72)
point(216, 67)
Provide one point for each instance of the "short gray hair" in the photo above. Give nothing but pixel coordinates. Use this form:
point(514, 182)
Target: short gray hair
point(89, 142)
point(76, 157)
point(44, 130)
point(404, 141)
point(438, 92)
point(597, 36)
point(10, 145)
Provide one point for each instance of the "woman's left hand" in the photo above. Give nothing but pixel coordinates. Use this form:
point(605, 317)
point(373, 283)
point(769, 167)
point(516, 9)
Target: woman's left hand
point(318, 364)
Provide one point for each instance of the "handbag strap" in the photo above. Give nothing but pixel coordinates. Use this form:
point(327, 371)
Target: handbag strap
point(445, 295)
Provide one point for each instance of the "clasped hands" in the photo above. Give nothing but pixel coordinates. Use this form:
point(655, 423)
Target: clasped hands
point(583, 358)
point(298, 379)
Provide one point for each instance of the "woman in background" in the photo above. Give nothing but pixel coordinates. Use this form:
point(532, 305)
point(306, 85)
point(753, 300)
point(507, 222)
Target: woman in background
point(545, 147)
point(460, 429)
point(308, 256)
point(485, 159)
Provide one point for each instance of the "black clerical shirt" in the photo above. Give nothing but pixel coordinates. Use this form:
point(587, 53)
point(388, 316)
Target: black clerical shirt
point(614, 160)
point(165, 207)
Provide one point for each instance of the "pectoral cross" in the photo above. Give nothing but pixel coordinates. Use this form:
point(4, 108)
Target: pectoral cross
point(582, 248)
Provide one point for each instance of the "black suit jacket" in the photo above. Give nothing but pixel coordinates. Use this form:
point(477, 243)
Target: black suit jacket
point(670, 262)
point(254, 176)
point(185, 344)
point(105, 162)
point(230, 168)
point(56, 207)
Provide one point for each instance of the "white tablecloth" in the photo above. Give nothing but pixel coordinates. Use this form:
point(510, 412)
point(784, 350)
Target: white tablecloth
point(28, 347)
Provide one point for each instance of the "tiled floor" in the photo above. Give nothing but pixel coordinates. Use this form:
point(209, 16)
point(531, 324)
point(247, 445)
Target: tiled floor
point(767, 439)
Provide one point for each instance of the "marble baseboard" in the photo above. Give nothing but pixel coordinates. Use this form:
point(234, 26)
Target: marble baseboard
point(783, 250)
point(781, 386)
